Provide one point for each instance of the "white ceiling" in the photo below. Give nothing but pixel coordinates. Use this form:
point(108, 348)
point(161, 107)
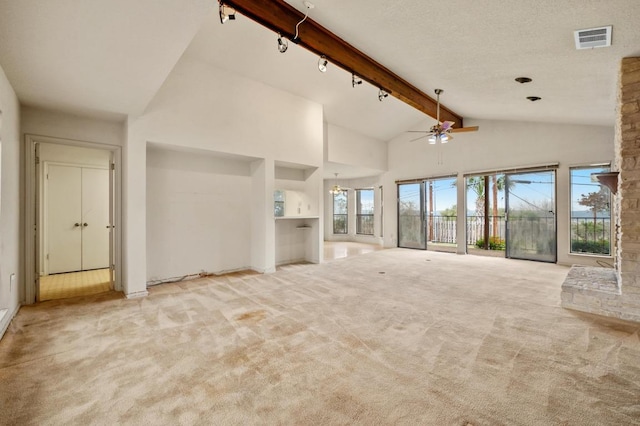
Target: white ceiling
point(95, 57)
point(111, 56)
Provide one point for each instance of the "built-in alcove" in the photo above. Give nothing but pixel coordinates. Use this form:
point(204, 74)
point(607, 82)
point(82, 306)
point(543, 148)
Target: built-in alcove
point(296, 212)
point(199, 212)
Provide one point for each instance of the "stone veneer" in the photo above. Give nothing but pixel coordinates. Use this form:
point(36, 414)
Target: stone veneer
point(604, 291)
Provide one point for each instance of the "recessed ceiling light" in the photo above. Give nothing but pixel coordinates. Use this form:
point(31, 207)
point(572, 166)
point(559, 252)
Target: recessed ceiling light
point(534, 98)
point(523, 80)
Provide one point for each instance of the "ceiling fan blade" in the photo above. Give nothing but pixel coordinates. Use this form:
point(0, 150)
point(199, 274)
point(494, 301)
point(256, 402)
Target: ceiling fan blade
point(465, 129)
point(418, 131)
point(417, 139)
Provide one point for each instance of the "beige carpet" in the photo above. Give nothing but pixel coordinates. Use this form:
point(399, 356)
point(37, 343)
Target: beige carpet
point(391, 337)
point(74, 284)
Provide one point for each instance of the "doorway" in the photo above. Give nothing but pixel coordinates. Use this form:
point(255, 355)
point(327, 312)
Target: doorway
point(75, 227)
point(531, 215)
point(73, 191)
point(514, 217)
point(427, 214)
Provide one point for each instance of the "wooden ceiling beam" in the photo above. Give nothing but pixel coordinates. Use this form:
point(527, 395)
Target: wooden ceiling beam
point(280, 17)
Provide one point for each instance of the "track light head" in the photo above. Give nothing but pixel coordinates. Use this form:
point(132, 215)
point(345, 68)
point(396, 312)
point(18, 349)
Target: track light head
point(322, 64)
point(226, 13)
point(355, 80)
point(382, 94)
point(283, 44)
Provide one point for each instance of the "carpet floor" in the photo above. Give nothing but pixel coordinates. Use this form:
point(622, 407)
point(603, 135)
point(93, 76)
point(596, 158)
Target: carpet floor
point(390, 337)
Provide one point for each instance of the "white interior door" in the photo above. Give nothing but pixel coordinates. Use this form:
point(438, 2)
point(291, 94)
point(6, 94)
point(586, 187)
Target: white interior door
point(64, 230)
point(95, 218)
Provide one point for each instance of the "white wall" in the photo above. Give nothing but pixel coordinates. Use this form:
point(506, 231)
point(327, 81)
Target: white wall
point(203, 107)
point(345, 146)
point(197, 210)
point(10, 222)
point(498, 145)
point(36, 121)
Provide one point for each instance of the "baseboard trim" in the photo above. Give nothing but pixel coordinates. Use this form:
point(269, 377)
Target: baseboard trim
point(137, 294)
point(6, 319)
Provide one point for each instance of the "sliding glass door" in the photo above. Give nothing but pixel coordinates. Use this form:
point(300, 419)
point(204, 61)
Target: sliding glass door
point(410, 216)
point(441, 214)
point(531, 217)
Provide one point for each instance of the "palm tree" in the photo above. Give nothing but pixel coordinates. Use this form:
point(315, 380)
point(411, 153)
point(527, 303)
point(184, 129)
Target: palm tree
point(497, 184)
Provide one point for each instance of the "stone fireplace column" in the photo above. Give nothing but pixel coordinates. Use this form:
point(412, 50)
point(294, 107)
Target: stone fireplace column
point(627, 199)
point(602, 291)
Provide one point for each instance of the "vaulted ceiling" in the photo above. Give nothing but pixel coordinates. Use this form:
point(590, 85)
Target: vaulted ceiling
point(109, 57)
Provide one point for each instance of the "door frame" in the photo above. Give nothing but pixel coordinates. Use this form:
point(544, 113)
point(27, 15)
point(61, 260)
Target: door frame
point(555, 214)
point(421, 185)
point(31, 222)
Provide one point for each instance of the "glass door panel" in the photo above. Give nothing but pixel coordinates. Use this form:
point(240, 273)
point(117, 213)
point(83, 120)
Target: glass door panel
point(441, 214)
point(410, 213)
point(531, 219)
point(485, 213)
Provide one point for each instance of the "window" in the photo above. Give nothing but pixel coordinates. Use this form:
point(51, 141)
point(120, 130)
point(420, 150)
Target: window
point(364, 211)
point(278, 203)
point(590, 212)
point(340, 213)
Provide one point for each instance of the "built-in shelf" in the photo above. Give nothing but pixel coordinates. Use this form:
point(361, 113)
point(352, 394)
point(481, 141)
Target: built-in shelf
point(296, 217)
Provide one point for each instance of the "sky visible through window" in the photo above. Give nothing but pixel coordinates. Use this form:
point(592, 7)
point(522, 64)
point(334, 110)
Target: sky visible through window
point(366, 201)
point(583, 185)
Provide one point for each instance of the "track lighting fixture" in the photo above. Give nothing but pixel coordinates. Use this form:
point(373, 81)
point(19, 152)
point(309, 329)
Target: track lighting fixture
point(322, 64)
point(283, 44)
point(226, 13)
point(355, 80)
point(382, 94)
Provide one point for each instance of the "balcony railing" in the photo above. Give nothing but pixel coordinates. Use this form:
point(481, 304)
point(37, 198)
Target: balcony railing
point(443, 229)
point(364, 224)
point(340, 223)
point(589, 235)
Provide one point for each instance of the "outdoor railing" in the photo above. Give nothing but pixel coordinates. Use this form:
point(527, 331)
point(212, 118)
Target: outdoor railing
point(589, 235)
point(442, 229)
point(340, 223)
point(364, 224)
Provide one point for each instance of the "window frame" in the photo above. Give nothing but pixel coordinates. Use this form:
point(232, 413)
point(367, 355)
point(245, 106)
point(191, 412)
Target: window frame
point(345, 215)
point(596, 168)
point(360, 215)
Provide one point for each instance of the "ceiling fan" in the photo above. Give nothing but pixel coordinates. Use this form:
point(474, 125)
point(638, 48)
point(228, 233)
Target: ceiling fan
point(441, 131)
point(337, 189)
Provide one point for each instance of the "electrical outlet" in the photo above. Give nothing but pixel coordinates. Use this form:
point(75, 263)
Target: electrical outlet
point(12, 281)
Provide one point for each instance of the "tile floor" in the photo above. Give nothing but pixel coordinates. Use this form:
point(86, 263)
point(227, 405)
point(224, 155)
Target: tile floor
point(73, 284)
point(339, 249)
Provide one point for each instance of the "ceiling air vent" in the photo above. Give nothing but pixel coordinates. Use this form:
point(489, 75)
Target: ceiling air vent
point(593, 37)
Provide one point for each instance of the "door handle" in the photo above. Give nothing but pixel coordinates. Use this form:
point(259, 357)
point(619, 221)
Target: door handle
point(76, 224)
point(85, 224)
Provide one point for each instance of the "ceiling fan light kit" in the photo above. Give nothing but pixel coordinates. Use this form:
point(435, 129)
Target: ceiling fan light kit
point(441, 131)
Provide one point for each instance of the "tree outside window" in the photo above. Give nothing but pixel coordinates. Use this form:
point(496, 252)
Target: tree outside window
point(340, 213)
point(590, 212)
